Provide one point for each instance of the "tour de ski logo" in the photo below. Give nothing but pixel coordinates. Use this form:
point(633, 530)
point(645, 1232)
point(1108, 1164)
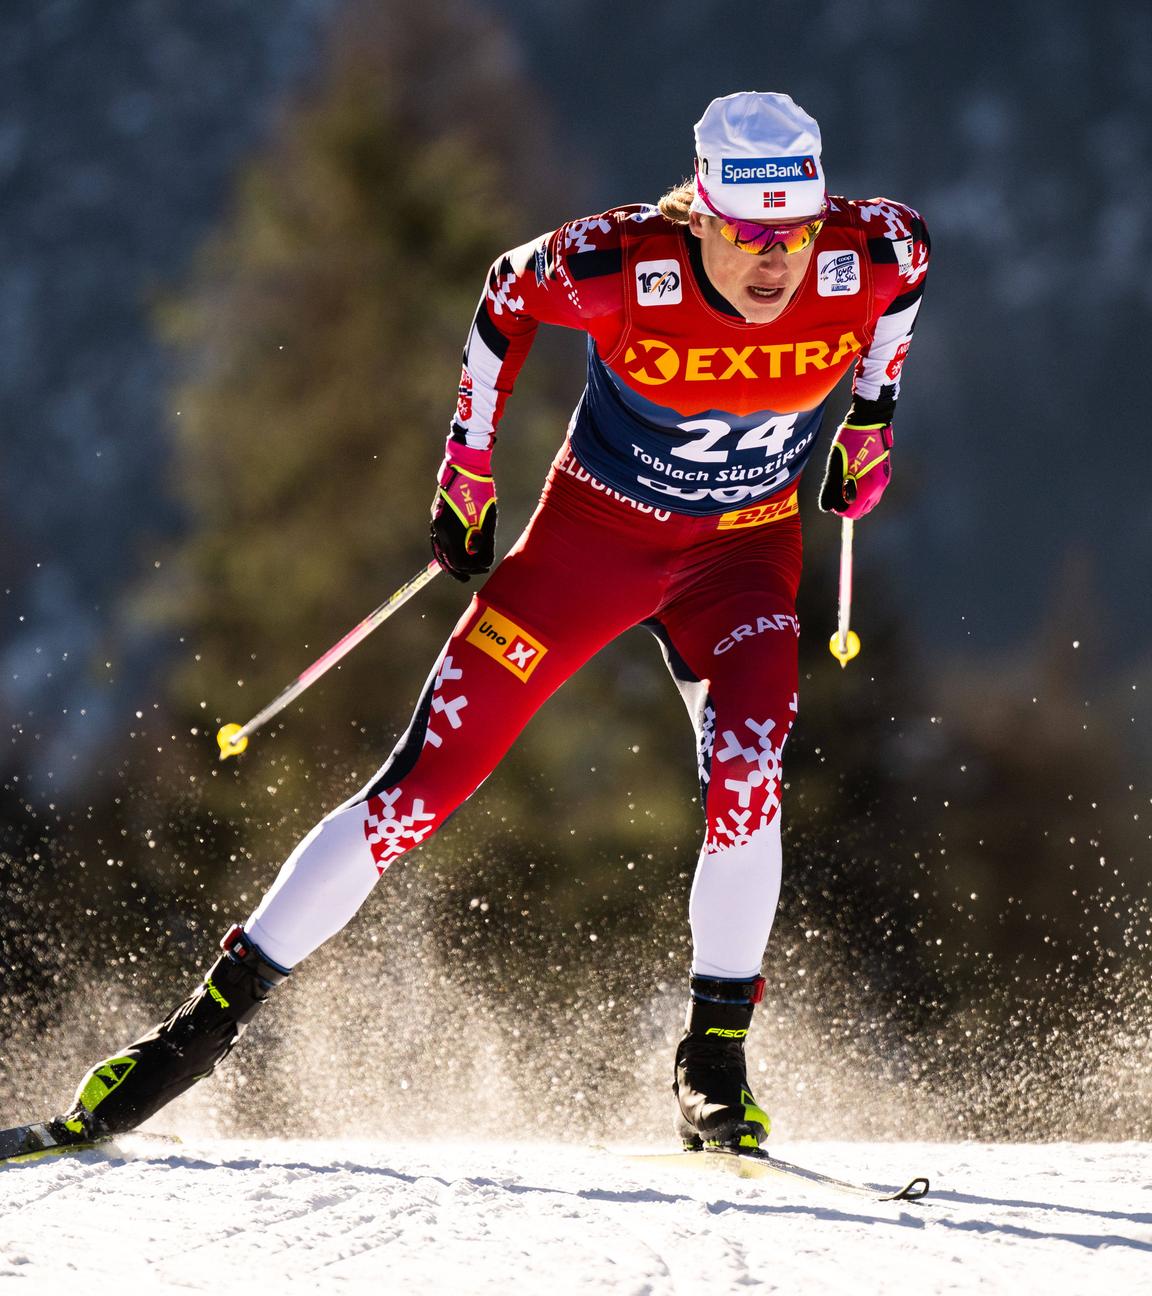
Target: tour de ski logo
point(837, 274)
point(658, 283)
point(505, 642)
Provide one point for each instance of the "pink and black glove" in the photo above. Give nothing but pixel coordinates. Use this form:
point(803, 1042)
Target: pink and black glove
point(859, 467)
point(464, 512)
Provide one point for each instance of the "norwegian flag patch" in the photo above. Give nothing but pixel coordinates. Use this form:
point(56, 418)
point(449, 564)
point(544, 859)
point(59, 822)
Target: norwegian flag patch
point(774, 197)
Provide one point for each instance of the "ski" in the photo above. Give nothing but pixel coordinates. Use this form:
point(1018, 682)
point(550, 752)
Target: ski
point(42, 1139)
point(757, 1164)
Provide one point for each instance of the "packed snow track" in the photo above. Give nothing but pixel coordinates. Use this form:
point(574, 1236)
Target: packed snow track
point(352, 1216)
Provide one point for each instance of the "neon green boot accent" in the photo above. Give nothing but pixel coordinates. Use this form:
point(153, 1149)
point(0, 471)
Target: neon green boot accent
point(755, 1115)
point(100, 1082)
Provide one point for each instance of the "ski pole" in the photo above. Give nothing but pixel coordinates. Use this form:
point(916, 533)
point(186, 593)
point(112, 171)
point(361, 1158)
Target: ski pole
point(233, 738)
point(845, 643)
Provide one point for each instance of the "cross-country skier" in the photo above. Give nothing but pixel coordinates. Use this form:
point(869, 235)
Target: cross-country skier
point(718, 323)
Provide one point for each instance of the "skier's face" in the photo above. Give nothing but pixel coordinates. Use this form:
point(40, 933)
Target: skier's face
point(759, 287)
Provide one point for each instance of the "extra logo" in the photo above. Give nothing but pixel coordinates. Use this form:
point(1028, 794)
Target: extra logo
point(651, 362)
point(777, 170)
point(505, 642)
point(758, 514)
point(658, 283)
point(837, 274)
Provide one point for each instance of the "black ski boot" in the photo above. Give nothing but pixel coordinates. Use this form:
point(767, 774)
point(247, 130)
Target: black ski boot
point(124, 1090)
point(714, 1107)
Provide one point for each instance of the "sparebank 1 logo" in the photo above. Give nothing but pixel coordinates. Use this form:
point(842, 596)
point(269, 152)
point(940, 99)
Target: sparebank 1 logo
point(775, 170)
point(658, 283)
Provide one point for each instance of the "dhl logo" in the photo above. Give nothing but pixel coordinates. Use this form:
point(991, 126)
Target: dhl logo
point(505, 642)
point(757, 514)
point(653, 363)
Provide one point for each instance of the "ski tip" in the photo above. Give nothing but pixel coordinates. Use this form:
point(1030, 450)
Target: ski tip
point(912, 1191)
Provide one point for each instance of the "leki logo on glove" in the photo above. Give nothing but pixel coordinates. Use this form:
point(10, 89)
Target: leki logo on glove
point(863, 457)
point(504, 641)
point(468, 500)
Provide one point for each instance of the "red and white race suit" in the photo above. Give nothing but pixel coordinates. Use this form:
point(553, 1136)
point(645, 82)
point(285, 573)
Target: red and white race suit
point(672, 504)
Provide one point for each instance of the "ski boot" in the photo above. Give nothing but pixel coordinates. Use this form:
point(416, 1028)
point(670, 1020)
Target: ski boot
point(124, 1090)
point(714, 1107)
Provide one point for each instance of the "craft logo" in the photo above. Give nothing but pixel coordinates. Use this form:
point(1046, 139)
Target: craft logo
point(505, 642)
point(780, 621)
point(837, 274)
point(897, 361)
point(658, 283)
point(464, 397)
point(758, 514)
point(775, 198)
point(777, 170)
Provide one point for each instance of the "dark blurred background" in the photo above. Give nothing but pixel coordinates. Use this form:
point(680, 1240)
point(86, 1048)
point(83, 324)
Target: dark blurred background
point(240, 247)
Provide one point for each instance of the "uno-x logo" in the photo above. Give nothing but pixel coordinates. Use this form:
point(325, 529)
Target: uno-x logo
point(505, 642)
point(758, 514)
point(653, 363)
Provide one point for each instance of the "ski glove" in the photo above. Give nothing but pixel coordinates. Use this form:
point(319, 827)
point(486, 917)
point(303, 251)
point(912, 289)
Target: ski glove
point(859, 467)
point(464, 512)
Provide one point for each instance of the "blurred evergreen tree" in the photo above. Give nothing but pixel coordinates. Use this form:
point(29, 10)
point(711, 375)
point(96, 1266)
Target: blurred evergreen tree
point(322, 332)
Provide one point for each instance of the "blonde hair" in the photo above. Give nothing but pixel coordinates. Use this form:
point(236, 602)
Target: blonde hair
point(675, 203)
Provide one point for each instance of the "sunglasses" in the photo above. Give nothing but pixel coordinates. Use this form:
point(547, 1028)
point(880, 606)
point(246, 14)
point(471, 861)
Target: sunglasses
point(755, 238)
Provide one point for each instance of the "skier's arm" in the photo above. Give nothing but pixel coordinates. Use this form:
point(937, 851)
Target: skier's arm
point(571, 277)
point(859, 461)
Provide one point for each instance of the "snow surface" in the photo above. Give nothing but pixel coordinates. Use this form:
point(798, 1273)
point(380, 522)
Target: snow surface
point(213, 1215)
